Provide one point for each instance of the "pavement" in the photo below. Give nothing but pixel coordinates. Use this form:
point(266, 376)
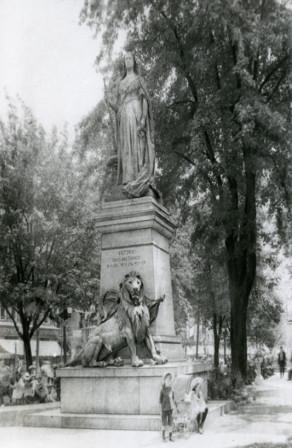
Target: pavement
point(266, 420)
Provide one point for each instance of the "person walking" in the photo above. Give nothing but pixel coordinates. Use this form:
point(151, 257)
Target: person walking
point(282, 359)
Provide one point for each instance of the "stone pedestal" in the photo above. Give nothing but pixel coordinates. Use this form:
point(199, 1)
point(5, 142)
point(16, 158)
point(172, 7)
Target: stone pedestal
point(135, 236)
point(119, 390)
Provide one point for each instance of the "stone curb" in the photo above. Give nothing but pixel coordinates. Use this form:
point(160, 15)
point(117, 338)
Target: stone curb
point(14, 415)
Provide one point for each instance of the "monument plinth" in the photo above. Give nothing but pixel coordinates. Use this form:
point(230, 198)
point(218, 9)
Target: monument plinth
point(135, 236)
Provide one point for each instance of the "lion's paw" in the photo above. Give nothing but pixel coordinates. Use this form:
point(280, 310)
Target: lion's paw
point(100, 364)
point(160, 359)
point(118, 362)
point(137, 363)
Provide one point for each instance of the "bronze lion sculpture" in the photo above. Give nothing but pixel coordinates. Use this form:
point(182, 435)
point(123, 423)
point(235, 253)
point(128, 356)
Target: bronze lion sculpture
point(124, 321)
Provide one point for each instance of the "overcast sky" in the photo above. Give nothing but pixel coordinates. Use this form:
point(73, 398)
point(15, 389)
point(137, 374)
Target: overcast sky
point(48, 59)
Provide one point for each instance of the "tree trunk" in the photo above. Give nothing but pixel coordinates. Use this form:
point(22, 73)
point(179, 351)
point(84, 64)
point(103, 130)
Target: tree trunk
point(216, 334)
point(198, 336)
point(241, 272)
point(241, 264)
point(37, 350)
point(238, 336)
point(64, 344)
point(216, 350)
point(225, 347)
point(27, 349)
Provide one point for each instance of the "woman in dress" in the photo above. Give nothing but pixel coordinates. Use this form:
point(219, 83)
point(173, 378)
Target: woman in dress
point(136, 157)
point(198, 404)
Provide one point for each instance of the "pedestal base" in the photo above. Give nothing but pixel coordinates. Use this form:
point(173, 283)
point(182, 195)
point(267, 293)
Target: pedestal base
point(55, 419)
point(119, 390)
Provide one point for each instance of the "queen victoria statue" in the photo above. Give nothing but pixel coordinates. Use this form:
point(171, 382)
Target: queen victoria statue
point(134, 132)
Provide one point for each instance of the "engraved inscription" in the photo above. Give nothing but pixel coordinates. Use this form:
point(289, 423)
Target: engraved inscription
point(129, 258)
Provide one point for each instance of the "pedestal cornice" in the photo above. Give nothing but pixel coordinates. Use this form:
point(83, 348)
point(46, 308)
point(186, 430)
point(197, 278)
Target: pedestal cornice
point(133, 214)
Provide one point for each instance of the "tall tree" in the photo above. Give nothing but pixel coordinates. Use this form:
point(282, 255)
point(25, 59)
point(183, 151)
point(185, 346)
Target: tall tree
point(48, 241)
point(200, 278)
point(218, 75)
point(210, 278)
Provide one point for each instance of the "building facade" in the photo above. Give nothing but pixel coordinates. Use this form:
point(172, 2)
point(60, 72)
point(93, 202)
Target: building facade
point(49, 338)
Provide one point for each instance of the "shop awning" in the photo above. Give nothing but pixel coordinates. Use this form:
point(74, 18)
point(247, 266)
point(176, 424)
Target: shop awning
point(4, 354)
point(15, 347)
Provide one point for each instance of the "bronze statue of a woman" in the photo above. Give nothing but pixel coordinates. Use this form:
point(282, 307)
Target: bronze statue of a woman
point(135, 142)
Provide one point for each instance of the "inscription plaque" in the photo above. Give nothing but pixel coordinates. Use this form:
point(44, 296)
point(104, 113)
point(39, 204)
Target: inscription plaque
point(129, 258)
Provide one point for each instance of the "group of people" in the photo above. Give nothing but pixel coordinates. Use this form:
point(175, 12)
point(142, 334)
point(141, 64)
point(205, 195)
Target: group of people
point(28, 386)
point(35, 388)
point(169, 407)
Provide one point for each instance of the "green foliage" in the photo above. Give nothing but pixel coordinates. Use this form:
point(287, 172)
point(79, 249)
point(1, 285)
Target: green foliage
point(182, 274)
point(264, 312)
point(265, 307)
point(94, 148)
point(48, 242)
point(199, 278)
point(220, 385)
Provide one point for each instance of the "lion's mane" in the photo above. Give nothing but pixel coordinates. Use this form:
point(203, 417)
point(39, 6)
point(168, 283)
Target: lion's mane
point(138, 315)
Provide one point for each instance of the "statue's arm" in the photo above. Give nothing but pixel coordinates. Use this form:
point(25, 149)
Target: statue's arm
point(146, 107)
point(144, 112)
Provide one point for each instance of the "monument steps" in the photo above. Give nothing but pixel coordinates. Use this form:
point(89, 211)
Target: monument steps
point(55, 419)
point(14, 415)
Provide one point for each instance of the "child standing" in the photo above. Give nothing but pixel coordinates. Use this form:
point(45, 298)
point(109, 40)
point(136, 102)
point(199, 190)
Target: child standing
point(167, 405)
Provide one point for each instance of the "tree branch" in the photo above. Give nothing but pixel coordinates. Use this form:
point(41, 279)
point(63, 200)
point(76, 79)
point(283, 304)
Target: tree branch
point(20, 334)
point(181, 51)
point(276, 86)
point(273, 71)
point(37, 324)
point(211, 156)
point(178, 103)
point(186, 158)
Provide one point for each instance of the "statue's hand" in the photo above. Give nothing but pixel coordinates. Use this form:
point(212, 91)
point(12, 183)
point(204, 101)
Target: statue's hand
point(142, 127)
point(142, 123)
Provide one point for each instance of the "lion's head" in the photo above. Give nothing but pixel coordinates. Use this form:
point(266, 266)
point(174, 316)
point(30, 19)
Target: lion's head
point(132, 289)
point(132, 300)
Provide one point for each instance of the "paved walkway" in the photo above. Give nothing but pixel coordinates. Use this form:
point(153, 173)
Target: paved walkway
point(268, 419)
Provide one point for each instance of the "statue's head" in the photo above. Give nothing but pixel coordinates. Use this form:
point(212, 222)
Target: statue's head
point(129, 63)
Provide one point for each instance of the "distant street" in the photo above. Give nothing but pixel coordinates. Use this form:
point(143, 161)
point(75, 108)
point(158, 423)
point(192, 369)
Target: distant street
point(268, 419)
